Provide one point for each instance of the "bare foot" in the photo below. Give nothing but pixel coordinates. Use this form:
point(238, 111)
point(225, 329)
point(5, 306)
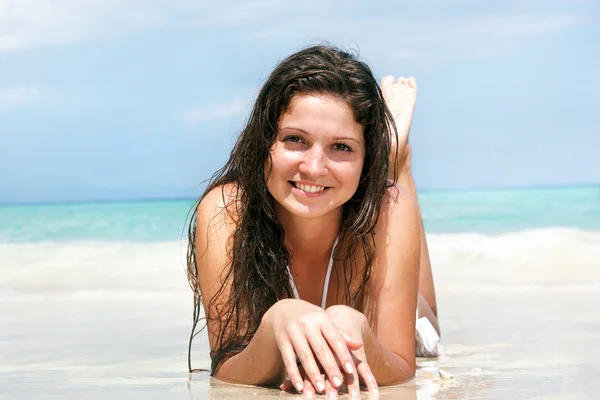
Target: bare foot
point(400, 96)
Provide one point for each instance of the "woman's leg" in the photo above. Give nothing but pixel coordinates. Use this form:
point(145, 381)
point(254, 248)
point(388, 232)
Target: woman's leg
point(401, 97)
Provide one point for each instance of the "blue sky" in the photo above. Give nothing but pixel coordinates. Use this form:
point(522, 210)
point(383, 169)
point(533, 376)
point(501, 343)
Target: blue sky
point(104, 99)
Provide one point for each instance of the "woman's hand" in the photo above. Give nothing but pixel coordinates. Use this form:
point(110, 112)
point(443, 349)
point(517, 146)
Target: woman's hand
point(347, 320)
point(353, 324)
point(308, 390)
point(307, 333)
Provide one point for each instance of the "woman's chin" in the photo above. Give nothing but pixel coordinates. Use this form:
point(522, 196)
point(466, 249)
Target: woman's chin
point(308, 212)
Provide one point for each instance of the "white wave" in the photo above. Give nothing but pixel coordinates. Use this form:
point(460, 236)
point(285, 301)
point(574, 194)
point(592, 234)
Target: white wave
point(547, 256)
point(58, 267)
point(109, 269)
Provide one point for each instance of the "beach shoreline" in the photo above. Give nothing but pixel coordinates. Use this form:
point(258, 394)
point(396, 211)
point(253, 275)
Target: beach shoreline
point(512, 326)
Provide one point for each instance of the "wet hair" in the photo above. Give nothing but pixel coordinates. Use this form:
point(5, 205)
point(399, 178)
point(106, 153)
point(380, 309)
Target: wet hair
point(257, 269)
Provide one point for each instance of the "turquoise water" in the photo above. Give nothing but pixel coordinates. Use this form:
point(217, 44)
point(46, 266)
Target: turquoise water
point(501, 211)
point(476, 211)
point(135, 221)
point(94, 297)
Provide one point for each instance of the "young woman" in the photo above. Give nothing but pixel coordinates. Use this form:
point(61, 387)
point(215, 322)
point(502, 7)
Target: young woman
point(308, 261)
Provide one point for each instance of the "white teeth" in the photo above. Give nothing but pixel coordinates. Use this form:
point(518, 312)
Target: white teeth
point(308, 188)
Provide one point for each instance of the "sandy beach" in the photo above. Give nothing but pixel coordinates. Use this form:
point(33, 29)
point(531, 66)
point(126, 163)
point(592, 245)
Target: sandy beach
point(511, 330)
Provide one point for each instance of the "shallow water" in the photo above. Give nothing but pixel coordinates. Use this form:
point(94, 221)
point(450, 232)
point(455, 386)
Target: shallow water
point(506, 335)
point(94, 301)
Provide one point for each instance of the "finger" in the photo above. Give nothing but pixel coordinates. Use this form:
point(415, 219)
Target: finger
point(364, 371)
point(402, 80)
point(331, 392)
point(351, 343)
point(287, 385)
point(307, 359)
point(353, 383)
point(288, 356)
point(323, 353)
point(337, 343)
point(309, 390)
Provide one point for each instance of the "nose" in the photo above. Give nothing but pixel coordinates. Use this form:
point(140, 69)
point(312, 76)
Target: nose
point(314, 162)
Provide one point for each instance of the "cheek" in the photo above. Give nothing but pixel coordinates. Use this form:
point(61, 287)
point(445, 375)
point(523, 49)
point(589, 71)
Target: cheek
point(358, 167)
point(350, 174)
point(282, 161)
point(275, 166)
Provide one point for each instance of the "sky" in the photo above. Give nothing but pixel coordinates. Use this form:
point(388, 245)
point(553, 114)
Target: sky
point(113, 99)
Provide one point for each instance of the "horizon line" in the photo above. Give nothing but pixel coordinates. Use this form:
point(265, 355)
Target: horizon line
point(190, 198)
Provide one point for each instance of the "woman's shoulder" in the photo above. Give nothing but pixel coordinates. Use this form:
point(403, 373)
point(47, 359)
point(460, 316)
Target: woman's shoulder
point(214, 226)
point(397, 240)
point(397, 228)
point(398, 201)
point(220, 203)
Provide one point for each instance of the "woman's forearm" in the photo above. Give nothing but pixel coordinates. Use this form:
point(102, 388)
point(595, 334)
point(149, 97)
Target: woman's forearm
point(260, 363)
point(387, 367)
point(426, 287)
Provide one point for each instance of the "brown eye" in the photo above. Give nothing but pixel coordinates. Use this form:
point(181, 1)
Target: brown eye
point(342, 147)
point(292, 139)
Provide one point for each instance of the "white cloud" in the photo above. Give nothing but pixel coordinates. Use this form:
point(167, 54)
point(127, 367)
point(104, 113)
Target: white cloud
point(44, 99)
point(233, 108)
point(18, 97)
point(29, 23)
point(416, 35)
point(26, 23)
point(517, 25)
point(530, 24)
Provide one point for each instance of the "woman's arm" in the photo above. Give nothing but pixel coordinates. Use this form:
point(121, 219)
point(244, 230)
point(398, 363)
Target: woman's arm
point(288, 329)
point(260, 363)
point(427, 300)
point(390, 299)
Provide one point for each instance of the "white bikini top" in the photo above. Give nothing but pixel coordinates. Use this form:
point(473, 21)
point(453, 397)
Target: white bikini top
point(327, 276)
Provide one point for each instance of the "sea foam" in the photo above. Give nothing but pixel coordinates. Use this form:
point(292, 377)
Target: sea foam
point(536, 256)
point(120, 269)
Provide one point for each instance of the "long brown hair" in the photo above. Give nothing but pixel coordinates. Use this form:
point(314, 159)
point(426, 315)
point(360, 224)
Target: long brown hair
point(257, 271)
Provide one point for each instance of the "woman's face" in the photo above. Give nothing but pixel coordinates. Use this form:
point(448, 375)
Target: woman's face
point(317, 156)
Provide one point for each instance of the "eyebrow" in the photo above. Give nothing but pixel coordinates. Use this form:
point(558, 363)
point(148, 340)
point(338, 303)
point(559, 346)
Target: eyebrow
point(348, 138)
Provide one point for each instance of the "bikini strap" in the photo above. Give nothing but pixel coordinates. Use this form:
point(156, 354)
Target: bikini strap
point(327, 278)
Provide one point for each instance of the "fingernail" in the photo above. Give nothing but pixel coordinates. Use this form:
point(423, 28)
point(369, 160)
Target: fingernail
point(332, 395)
point(349, 368)
point(320, 386)
point(337, 381)
point(298, 386)
point(355, 394)
point(309, 393)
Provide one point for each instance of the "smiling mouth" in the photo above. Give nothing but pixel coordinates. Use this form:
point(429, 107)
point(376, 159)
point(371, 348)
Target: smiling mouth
point(309, 188)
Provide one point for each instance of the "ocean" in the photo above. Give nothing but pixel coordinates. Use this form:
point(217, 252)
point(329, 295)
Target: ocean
point(487, 212)
point(94, 299)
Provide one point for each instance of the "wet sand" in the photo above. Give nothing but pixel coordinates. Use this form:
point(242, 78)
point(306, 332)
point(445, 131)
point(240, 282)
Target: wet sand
point(525, 332)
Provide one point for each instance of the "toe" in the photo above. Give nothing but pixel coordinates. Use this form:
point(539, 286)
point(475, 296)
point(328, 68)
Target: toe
point(387, 80)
